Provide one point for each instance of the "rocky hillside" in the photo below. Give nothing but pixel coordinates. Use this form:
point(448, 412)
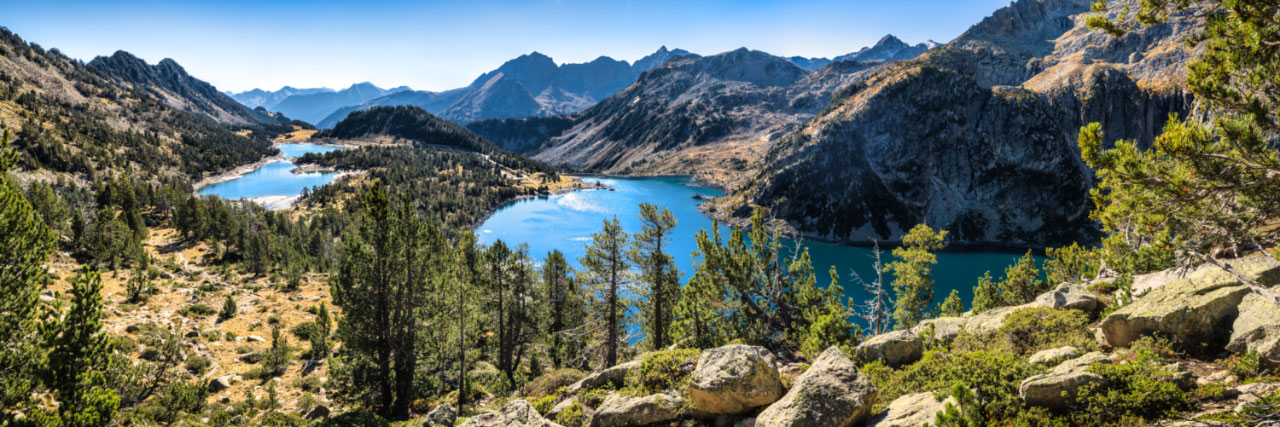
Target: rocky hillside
point(888, 48)
point(529, 86)
point(169, 82)
point(1196, 345)
point(119, 115)
point(977, 136)
point(713, 115)
point(524, 135)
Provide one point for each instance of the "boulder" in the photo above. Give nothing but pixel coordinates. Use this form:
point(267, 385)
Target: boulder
point(833, 392)
point(613, 375)
point(223, 382)
point(1054, 356)
point(1072, 296)
point(945, 329)
point(990, 321)
point(618, 410)
point(516, 413)
point(895, 348)
point(912, 410)
point(441, 416)
point(254, 338)
point(1197, 308)
point(1257, 329)
point(560, 407)
point(1057, 389)
point(734, 379)
point(319, 412)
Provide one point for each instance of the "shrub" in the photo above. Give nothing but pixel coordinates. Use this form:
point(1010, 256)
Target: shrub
point(197, 310)
point(197, 365)
point(994, 375)
point(1243, 366)
point(1141, 391)
point(1029, 330)
point(281, 419)
point(572, 416)
point(228, 308)
point(660, 371)
point(303, 330)
point(355, 419)
point(548, 383)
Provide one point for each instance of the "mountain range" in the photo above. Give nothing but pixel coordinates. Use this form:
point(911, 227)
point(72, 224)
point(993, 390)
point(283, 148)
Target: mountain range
point(269, 99)
point(888, 48)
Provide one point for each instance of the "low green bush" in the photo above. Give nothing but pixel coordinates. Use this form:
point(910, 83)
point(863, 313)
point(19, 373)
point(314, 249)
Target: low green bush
point(197, 310)
point(994, 376)
point(572, 416)
point(1029, 330)
point(1140, 392)
point(660, 371)
point(197, 365)
point(548, 383)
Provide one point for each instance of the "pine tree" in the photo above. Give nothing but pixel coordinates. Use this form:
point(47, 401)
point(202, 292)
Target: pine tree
point(913, 274)
point(78, 354)
point(25, 244)
point(320, 333)
point(953, 306)
point(1206, 188)
point(1021, 285)
point(608, 270)
point(566, 308)
point(658, 274)
point(228, 308)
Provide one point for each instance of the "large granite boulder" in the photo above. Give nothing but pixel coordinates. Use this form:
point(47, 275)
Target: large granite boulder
point(1195, 309)
point(517, 413)
point(1054, 356)
point(618, 410)
point(945, 329)
point(833, 392)
point(895, 348)
point(1257, 329)
point(223, 382)
point(1058, 389)
point(990, 321)
point(734, 379)
point(1071, 296)
point(613, 375)
point(442, 416)
point(912, 410)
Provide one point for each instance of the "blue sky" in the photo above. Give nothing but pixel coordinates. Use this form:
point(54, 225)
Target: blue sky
point(434, 45)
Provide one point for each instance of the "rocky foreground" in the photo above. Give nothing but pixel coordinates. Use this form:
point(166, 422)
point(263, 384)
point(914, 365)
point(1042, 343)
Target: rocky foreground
point(1203, 320)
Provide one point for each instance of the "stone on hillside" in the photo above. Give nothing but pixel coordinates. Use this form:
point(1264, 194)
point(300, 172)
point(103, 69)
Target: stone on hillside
point(833, 392)
point(442, 416)
point(223, 382)
point(561, 406)
point(1194, 309)
point(254, 338)
point(895, 348)
point(1057, 389)
point(1054, 356)
point(613, 375)
point(945, 329)
point(734, 379)
point(516, 413)
point(1257, 329)
point(1072, 296)
point(618, 410)
point(319, 412)
point(912, 410)
point(990, 321)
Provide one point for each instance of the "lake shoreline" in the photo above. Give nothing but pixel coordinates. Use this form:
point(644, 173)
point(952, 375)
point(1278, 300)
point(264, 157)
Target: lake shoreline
point(489, 213)
point(245, 169)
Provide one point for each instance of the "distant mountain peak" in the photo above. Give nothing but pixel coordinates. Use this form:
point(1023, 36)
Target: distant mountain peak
point(888, 48)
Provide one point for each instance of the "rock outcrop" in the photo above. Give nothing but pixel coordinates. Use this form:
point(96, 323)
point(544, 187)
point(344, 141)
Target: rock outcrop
point(734, 379)
point(441, 416)
point(833, 392)
point(517, 413)
point(912, 410)
point(893, 348)
point(611, 376)
point(1054, 356)
point(945, 329)
point(618, 410)
point(1257, 329)
point(1058, 388)
point(1196, 310)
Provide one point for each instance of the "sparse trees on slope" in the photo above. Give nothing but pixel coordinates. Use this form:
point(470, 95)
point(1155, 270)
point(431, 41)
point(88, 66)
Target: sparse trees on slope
point(1021, 285)
point(658, 274)
point(78, 354)
point(913, 274)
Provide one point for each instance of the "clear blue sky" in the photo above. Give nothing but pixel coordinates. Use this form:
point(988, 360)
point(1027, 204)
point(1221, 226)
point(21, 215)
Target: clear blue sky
point(434, 45)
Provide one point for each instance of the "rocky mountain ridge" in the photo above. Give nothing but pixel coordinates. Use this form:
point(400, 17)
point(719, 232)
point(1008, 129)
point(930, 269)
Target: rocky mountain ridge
point(314, 107)
point(976, 136)
point(531, 85)
point(269, 99)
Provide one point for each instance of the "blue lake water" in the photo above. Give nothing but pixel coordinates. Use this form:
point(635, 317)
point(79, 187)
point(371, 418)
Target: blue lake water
point(566, 222)
point(275, 179)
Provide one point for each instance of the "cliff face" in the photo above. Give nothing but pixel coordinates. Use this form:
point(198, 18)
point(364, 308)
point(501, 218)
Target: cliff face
point(978, 136)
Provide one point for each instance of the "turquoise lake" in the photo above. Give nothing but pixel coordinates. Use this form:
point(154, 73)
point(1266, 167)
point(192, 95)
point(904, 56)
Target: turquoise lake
point(566, 222)
point(275, 182)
